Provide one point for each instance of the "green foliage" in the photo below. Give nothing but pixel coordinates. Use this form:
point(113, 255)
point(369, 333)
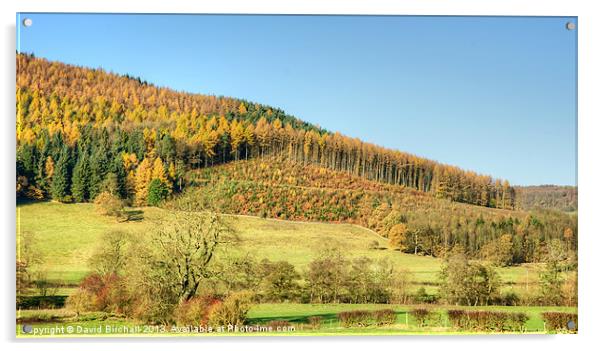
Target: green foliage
point(157, 192)
point(81, 179)
point(551, 279)
point(326, 276)
point(468, 283)
point(61, 178)
point(421, 296)
point(280, 280)
point(98, 168)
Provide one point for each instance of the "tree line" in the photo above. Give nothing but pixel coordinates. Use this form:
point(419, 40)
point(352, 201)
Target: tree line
point(414, 222)
point(198, 131)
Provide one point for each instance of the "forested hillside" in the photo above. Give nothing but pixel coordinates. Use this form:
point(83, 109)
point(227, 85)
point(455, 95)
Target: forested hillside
point(413, 221)
point(562, 198)
point(83, 131)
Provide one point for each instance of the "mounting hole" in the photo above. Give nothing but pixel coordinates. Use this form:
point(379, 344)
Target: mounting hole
point(570, 26)
point(27, 22)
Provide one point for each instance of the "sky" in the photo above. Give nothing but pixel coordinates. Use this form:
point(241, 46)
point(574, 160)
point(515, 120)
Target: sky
point(496, 95)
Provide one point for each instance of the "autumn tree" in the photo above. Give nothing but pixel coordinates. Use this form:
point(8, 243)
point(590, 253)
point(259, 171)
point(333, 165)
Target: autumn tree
point(397, 236)
point(143, 179)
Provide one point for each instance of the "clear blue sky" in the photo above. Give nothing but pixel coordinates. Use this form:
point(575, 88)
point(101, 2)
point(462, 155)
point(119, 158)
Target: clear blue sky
point(496, 95)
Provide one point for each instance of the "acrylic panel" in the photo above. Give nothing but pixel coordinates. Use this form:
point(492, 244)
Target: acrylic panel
point(233, 175)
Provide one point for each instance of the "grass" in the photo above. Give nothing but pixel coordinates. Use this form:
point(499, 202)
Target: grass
point(57, 322)
point(65, 235)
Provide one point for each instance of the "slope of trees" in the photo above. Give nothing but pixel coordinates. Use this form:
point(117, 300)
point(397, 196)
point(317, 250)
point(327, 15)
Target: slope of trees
point(562, 198)
point(113, 130)
point(415, 222)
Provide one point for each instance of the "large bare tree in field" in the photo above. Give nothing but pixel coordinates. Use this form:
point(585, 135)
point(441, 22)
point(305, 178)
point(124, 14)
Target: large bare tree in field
point(185, 248)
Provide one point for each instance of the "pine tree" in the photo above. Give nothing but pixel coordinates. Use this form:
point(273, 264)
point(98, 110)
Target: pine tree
point(157, 192)
point(98, 169)
point(60, 179)
point(81, 178)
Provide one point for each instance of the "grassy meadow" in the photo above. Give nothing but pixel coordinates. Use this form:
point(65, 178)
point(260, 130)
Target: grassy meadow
point(65, 235)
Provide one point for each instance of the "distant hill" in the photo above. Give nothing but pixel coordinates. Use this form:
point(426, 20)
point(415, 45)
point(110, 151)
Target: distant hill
point(562, 198)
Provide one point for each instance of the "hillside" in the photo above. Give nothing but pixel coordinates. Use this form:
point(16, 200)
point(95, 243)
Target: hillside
point(82, 132)
point(85, 125)
point(562, 198)
point(65, 248)
point(422, 223)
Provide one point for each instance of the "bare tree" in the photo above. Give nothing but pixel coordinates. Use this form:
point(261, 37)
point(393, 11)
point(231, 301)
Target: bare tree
point(185, 247)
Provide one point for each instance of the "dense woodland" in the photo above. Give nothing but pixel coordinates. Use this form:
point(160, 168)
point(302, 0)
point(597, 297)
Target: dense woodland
point(82, 131)
point(562, 198)
point(414, 221)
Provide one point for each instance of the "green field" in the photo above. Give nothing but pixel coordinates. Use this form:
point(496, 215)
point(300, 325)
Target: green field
point(297, 316)
point(65, 235)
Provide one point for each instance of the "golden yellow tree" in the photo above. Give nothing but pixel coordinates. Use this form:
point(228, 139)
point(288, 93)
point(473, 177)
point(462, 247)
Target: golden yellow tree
point(144, 174)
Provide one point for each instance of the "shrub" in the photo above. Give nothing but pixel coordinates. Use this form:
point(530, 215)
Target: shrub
point(107, 292)
point(384, 317)
point(315, 322)
point(516, 321)
point(422, 296)
point(510, 299)
point(232, 311)
point(559, 321)
point(421, 315)
point(157, 192)
point(374, 245)
point(355, 318)
point(487, 320)
point(80, 301)
point(195, 311)
point(108, 204)
point(457, 319)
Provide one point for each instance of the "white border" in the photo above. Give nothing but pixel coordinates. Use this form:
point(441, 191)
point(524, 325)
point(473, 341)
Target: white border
point(590, 195)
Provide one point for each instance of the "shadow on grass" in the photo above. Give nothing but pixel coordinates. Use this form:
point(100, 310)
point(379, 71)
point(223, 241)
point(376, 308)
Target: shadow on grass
point(36, 302)
point(133, 215)
point(327, 318)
